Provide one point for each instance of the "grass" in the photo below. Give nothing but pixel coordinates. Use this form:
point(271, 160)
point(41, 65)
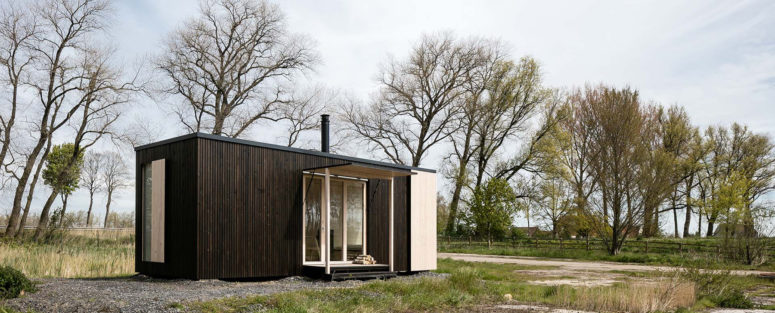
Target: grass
point(90, 254)
point(470, 286)
point(670, 259)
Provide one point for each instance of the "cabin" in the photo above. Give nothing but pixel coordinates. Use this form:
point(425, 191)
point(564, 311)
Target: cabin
point(213, 207)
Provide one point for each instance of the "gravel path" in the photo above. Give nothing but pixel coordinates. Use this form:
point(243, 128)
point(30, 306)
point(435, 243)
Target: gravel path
point(571, 264)
point(143, 294)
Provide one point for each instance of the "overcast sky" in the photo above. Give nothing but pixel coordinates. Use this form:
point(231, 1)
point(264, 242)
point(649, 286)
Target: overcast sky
point(717, 59)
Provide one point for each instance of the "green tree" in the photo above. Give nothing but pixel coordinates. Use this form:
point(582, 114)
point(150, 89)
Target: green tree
point(61, 173)
point(493, 206)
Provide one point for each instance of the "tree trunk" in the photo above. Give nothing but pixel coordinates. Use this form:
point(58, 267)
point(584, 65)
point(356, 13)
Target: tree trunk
point(13, 220)
point(675, 216)
point(711, 221)
point(43, 223)
point(64, 210)
point(453, 205)
point(31, 192)
point(688, 218)
point(88, 212)
point(107, 208)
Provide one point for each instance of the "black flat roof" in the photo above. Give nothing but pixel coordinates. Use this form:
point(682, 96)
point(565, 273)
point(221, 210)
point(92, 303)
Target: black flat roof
point(281, 148)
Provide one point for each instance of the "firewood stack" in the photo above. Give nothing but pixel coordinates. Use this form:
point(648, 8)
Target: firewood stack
point(364, 259)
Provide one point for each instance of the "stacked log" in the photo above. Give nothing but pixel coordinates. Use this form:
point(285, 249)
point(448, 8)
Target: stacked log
point(364, 259)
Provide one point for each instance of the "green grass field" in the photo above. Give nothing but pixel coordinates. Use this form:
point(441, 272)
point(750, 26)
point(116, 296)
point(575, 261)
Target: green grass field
point(633, 253)
point(479, 286)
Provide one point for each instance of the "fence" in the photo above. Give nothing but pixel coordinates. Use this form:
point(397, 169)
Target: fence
point(711, 246)
point(88, 231)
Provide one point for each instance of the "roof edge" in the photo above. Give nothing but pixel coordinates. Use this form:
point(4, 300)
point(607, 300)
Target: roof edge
point(278, 147)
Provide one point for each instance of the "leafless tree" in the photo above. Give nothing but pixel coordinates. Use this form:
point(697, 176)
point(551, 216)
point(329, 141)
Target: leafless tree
point(17, 30)
point(472, 110)
point(63, 27)
point(101, 94)
point(418, 98)
point(228, 66)
point(302, 113)
point(91, 179)
point(114, 177)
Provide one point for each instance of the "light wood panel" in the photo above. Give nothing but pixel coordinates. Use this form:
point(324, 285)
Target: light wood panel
point(422, 221)
point(158, 170)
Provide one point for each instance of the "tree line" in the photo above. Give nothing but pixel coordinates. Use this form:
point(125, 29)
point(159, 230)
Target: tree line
point(591, 161)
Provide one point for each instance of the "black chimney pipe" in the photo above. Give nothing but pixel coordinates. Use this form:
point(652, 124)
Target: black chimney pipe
point(324, 133)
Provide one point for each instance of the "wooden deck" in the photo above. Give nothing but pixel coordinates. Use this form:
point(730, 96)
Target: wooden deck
point(349, 271)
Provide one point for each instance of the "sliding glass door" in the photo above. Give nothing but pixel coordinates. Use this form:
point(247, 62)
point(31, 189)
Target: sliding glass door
point(348, 215)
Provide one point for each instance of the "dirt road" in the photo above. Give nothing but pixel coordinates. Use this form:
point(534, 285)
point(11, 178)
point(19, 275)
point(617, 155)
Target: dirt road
point(572, 265)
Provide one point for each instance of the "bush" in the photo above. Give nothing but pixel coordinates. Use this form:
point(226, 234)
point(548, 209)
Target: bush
point(733, 299)
point(13, 282)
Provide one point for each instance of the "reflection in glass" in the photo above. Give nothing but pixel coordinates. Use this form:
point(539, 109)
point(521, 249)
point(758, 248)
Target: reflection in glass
point(337, 220)
point(354, 220)
point(312, 214)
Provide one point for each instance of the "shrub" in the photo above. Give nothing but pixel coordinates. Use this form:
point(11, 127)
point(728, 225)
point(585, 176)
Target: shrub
point(13, 282)
point(732, 299)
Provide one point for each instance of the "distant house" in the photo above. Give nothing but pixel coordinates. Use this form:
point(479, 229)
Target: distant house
point(528, 231)
point(215, 207)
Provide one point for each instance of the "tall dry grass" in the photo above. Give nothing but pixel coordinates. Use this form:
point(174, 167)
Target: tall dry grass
point(634, 296)
point(74, 254)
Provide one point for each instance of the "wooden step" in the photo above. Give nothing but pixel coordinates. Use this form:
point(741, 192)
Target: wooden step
point(363, 275)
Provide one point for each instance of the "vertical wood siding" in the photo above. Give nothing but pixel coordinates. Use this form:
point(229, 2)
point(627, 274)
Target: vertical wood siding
point(180, 210)
point(235, 211)
point(250, 212)
point(377, 216)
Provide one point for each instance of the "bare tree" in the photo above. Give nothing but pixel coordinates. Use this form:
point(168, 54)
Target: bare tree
point(228, 65)
point(91, 179)
point(17, 30)
point(463, 138)
point(303, 111)
point(114, 177)
point(63, 28)
point(418, 99)
point(101, 95)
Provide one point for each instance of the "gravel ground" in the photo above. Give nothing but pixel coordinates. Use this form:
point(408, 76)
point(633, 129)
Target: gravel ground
point(143, 294)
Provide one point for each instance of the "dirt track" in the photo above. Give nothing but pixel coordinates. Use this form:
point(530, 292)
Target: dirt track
point(572, 265)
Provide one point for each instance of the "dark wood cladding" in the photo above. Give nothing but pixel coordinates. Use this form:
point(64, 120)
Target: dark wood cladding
point(378, 226)
point(250, 212)
point(235, 211)
point(180, 214)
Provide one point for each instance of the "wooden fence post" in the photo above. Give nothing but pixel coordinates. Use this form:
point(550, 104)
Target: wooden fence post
point(469, 241)
point(681, 247)
point(587, 243)
point(647, 246)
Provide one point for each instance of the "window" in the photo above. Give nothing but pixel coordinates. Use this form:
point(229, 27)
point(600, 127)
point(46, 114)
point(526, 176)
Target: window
point(153, 175)
point(348, 216)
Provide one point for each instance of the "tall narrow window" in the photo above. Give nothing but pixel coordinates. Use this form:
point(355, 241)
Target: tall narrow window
point(312, 218)
point(153, 211)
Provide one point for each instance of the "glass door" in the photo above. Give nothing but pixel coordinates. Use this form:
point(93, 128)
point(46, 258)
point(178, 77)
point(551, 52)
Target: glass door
point(337, 221)
point(355, 219)
point(348, 219)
